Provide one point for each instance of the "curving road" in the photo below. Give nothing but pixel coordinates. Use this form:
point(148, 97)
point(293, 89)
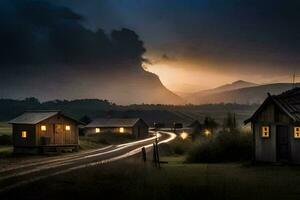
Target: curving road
point(32, 171)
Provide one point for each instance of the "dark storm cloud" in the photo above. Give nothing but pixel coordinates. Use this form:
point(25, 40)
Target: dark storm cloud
point(39, 33)
point(236, 32)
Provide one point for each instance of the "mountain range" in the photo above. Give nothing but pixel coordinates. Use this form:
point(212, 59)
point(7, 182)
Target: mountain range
point(240, 92)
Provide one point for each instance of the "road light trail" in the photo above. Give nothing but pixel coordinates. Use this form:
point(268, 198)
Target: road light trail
point(135, 151)
point(43, 161)
point(78, 156)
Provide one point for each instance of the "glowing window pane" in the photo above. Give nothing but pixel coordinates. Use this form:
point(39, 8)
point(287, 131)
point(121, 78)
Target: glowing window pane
point(68, 128)
point(297, 132)
point(43, 128)
point(121, 130)
point(265, 133)
point(24, 134)
point(97, 130)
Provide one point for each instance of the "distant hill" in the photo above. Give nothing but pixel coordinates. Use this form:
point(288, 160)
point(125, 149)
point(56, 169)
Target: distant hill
point(227, 87)
point(246, 95)
point(94, 108)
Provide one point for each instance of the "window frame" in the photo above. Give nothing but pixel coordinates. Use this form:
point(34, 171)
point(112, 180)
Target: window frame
point(294, 133)
point(68, 128)
point(43, 128)
point(262, 132)
point(97, 130)
point(24, 134)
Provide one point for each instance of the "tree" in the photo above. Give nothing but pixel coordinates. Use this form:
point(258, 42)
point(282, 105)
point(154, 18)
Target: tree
point(230, 123)
point(210, 124)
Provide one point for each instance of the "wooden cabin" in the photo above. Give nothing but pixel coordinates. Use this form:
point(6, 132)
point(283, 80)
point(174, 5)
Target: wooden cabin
point(135, 126)
point(276, 128)
point(44, 131)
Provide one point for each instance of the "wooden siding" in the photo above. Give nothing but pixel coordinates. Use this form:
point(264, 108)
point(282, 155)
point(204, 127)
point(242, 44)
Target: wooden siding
point(90, 131)
point(56, 131)
point(139, 130)
point(29, 141)
point(265, 148)
point(267, 114)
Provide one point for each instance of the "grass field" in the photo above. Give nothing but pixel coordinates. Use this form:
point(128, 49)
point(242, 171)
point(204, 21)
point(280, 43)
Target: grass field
point(5, 128)
point(132, 179)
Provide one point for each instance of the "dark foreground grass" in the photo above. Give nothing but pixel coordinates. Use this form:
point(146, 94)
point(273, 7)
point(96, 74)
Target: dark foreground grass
point(132, 179)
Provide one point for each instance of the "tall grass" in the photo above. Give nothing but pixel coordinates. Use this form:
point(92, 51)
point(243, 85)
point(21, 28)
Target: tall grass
point(225, 147)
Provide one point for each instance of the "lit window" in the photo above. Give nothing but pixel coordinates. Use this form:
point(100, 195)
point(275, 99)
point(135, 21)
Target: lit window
point(97, 130)
point(265, 131)
point(297, 132)
point(24, 134)
point(121, 130)
point(43, 128)
point(68, 128)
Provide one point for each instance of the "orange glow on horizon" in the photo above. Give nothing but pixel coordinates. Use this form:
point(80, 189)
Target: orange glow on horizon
point(179, 79)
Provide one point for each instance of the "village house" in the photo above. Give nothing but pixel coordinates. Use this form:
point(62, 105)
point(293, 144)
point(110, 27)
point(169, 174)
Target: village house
point(44, 131)
point(135, 126)
point(276, 128)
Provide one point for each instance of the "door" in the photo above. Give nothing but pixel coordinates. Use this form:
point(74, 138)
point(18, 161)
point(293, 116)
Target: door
point(282, 142)
point(59, 134)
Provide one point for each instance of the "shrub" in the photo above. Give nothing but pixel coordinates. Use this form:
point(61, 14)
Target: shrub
point(5, 140)
point(226, 147)
point(180, 146)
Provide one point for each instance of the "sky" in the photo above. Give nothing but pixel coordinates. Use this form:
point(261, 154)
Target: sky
point(198, 44)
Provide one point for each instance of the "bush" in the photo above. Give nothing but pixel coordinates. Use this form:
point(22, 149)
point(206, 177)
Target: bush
point(226, 147)
point(179, 146)
point(5, 140)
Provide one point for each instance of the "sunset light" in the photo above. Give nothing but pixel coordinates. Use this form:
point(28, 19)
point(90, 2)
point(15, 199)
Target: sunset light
point(94, 93)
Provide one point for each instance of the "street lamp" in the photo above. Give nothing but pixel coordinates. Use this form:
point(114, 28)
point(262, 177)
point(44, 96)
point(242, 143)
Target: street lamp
point(207, 132)
point(184, 135)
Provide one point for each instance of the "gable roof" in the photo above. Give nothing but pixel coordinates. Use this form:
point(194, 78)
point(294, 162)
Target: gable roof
point(288, 102)
point(35, 117)
point(108, 122)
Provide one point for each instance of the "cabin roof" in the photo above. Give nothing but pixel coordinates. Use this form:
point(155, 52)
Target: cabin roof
point(288, 102)
point(113, 122)
point(35, 117)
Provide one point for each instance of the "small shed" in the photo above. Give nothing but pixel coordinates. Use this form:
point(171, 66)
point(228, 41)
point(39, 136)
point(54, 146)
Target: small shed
point(43, 131)
point(134, 126)
point(276, 128)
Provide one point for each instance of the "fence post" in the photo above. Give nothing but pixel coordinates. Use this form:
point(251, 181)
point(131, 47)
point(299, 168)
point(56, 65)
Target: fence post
point(154, 154)
point(144, 154)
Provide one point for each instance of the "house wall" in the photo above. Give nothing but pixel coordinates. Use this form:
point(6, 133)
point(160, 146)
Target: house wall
point(35, 134)
point(56, 131)
point(294, 145)
point(29, 141)
point(140, 129)
point(266, 148)
point(91, 131)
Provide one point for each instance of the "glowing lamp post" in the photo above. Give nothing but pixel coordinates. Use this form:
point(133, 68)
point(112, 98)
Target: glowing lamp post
point(184, 135)
point(207, 132)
